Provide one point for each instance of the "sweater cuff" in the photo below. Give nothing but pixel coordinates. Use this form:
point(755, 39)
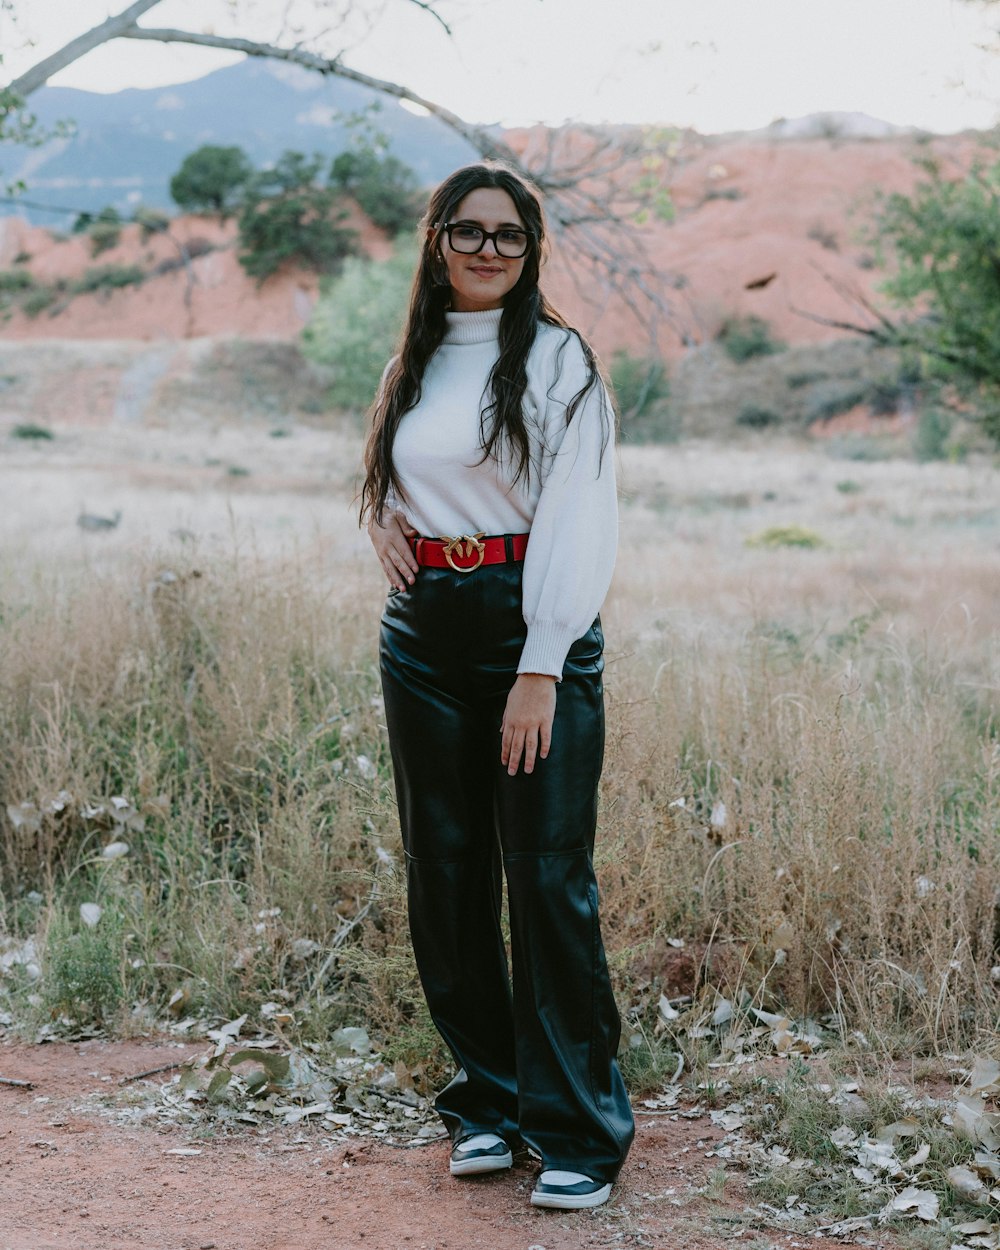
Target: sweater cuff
point(546, 648)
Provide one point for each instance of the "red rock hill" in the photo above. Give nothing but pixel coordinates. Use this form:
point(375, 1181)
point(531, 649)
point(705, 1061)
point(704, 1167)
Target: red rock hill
point(762, 226)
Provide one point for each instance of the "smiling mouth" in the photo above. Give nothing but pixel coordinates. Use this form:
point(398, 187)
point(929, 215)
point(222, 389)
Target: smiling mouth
point(486, 271)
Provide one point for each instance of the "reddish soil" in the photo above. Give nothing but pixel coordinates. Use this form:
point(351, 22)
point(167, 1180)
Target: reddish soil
point(72, 1179)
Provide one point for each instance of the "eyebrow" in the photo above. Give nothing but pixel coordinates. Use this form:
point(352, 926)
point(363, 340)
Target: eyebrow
point(504, 225)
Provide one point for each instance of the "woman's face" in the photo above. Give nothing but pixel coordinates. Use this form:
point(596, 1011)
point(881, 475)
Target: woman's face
point(480, 281)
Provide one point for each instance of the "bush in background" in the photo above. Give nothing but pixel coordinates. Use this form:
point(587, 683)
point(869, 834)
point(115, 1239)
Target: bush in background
point(288, 216)
point(212, 179)
point(385, 189)
point(746, 337)
point(105, 230)
point(931, 434)
point(150, 221)
point(830, 399)
point(30, 431)
point(15, 280)
point(756, 417)
point(642, 392)
point(944, 238)
point(108, 277)
point(357, 321)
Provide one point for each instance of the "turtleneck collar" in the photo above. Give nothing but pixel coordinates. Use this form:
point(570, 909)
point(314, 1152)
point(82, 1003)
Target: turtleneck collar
point(473, 327)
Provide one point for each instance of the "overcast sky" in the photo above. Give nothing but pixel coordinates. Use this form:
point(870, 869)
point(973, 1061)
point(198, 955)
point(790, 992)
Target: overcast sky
point(713, 64)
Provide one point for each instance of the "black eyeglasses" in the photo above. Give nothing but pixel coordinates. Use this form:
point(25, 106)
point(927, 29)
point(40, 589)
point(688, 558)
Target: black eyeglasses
point(469, 239)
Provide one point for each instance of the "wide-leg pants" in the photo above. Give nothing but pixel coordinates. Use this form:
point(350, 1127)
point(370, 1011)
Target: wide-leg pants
point(536, 1061)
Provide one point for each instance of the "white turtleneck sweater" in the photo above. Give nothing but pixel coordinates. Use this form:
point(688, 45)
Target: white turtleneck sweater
point(568, 504)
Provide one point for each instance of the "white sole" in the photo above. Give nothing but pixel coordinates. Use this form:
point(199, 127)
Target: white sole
point(571, 1202)
point(479, 1167)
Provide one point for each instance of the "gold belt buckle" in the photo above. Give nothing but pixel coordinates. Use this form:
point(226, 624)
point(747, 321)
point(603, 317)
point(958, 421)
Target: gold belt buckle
point(473, 543)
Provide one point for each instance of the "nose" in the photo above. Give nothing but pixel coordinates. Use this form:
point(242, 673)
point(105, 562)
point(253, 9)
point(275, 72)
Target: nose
point(492, 245)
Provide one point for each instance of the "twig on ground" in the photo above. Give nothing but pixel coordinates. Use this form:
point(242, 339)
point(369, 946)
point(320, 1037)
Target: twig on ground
point(164, 1067)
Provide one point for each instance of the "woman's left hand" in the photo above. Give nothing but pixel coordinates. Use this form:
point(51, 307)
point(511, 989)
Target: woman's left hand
point(527, 721)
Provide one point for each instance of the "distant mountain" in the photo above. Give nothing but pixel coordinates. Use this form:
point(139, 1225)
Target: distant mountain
point(128, 145)
point(833, 125)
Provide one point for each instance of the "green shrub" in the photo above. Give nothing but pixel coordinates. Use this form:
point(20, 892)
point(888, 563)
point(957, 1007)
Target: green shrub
point(722, 193)
point(930, 438)
point(16, 280)
point(746, 337)
point(150, 221)
point(287, 216)
point(356, 323)
point(944, 239)
point(105, 231)
point(786, 536)
point(211, 180)
point(384, 187)
point(82, 974)
point(888, 393)
point(37, 300)
point(104, 235)
point(30, 431)
point(642, 391)
point(807, 377)
point(754, 417)
point(831, 400)
point(859, 447)
point(884, 397)
point(108, 277)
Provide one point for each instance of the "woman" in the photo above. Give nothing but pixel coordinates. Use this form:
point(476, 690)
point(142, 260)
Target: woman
point(492, 422)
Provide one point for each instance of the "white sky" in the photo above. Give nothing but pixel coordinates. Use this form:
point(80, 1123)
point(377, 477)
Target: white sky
point(712, 64)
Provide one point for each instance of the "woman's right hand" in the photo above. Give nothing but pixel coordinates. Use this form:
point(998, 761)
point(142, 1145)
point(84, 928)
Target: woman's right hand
point(391, 543)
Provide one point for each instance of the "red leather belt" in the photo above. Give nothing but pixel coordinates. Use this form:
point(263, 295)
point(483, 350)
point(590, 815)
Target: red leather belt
point(467, 552)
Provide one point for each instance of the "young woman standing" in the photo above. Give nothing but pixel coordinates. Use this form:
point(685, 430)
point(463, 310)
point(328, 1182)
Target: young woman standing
point(490, 500)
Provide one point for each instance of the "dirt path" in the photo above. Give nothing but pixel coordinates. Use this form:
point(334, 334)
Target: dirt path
point(72, 1177)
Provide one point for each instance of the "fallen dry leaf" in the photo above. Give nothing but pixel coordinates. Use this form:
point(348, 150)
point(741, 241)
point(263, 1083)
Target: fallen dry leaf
point(912, 1201)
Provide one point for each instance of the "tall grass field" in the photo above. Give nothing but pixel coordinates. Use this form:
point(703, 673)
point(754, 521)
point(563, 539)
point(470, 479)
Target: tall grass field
point(801, 798)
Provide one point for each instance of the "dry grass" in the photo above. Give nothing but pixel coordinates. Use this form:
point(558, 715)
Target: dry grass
point(828, 717)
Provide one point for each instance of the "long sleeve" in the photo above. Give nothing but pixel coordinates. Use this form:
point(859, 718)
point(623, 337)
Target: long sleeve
point(574, 532)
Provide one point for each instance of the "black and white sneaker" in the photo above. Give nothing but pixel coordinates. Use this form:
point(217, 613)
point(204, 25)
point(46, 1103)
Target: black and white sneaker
point(482, 1152)
point(569, 1191)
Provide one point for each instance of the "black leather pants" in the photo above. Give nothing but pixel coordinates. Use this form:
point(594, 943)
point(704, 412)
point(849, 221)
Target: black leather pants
point(537, 1065)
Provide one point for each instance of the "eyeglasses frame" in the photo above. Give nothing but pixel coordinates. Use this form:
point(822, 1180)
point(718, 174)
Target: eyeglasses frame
point(489, 236)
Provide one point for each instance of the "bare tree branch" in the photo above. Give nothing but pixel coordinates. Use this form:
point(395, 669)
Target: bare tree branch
point(429, 8)
point(889, 333)
point(39, 74)
point(589, 204)
point(478, 136)
point(883, 331)
point(598, 183)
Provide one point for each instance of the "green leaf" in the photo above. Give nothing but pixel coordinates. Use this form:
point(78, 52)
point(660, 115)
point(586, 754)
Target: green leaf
point(190, 1079)
point(218, 1083)
point(276, 1066)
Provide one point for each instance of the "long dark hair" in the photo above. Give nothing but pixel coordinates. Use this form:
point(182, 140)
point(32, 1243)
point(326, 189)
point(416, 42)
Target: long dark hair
point(502, 425)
